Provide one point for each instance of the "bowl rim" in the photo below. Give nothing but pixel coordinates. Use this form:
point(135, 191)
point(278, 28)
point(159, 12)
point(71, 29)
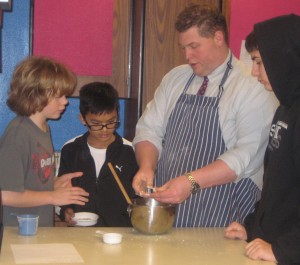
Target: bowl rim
point(141, 201)
point(79, 215)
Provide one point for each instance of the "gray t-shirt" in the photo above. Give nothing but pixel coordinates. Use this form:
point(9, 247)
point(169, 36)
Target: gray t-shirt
point(26, 163)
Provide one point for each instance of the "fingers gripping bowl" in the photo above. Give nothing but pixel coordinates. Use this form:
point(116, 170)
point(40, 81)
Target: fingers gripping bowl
point(150, 216)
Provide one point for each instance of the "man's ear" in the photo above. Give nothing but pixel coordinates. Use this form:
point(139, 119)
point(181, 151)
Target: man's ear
point(82, 119)
point(219, 37)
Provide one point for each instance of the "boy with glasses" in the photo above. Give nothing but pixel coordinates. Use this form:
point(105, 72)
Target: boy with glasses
point(90, 154)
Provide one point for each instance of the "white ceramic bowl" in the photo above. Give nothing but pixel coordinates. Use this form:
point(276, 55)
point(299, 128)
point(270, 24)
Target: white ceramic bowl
point(85, 219)
point(112, 238)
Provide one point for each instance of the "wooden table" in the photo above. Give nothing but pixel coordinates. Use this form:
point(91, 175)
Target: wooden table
point(184, 246)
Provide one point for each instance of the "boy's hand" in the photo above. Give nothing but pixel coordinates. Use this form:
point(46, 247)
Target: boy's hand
point(66, 180)
point(259, 249)
point(69, 214)
point(236, 231)
point(65, 196)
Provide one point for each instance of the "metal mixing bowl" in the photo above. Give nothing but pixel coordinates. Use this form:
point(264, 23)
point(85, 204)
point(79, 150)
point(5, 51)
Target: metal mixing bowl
point(150, 216)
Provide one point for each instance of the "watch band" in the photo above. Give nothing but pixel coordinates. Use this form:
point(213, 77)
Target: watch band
point(194, 185)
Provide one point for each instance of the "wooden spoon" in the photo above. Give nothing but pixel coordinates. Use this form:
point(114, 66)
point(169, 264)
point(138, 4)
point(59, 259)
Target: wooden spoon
point(119, 183)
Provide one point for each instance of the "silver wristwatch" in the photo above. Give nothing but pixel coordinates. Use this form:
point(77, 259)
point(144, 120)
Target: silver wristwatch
point(194, 185)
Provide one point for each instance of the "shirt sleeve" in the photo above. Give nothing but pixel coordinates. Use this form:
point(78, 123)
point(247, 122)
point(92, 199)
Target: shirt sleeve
point(286, 247)
point(246, 115)
point(152, 124)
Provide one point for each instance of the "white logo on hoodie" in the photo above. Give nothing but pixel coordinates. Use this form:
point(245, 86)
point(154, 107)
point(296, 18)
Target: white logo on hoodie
point(119, 168)
point(275, 134)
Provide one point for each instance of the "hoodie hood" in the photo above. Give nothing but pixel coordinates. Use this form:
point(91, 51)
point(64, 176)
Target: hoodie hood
point(279, 46)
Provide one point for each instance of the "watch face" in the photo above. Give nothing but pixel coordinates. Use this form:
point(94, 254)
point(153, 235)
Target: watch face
point(195, 187)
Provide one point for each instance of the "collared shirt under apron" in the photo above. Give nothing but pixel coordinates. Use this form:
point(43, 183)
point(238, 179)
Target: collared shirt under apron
point(192, 140)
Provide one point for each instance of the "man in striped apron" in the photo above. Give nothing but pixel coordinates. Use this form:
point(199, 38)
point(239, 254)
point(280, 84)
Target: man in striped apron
point(204, 150)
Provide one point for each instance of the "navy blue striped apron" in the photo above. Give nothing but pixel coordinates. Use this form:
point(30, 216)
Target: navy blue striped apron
point(192, 140)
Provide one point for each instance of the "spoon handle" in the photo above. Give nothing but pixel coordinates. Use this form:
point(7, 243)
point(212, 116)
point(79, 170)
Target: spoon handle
point(119, 183)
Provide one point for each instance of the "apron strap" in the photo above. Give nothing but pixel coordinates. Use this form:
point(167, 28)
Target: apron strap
point(225, 76)
point(221, 85)
point(189, 82)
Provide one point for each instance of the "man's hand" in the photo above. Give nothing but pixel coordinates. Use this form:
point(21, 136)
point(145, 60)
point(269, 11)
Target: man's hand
point(174, 191)
point(142, 180)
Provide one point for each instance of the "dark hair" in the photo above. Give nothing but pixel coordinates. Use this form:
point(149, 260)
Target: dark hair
point(208, 19)
point(251, 42)
point(37, 80)
point(98, 98)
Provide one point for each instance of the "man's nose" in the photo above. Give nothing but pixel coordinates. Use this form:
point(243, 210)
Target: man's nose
point(187, 54)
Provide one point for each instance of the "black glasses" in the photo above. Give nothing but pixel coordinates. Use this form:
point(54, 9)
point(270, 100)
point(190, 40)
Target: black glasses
point(110, 125)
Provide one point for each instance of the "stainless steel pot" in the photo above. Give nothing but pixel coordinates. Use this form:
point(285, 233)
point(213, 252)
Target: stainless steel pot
point(150, 216)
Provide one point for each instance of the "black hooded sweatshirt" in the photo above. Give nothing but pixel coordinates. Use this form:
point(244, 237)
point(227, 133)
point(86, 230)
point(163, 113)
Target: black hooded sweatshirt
point(277, 215)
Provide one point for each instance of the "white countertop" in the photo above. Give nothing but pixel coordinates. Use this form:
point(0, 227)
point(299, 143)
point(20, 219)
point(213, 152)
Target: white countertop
point(187, 246)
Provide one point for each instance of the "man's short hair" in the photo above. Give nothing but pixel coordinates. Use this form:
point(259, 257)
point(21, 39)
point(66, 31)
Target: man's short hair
point(207, 18)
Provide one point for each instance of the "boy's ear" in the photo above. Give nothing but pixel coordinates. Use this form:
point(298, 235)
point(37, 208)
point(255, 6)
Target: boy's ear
point(82, 119)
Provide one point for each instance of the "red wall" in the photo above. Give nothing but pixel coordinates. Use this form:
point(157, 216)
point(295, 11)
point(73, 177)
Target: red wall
point(245, 13)
point(78, 33)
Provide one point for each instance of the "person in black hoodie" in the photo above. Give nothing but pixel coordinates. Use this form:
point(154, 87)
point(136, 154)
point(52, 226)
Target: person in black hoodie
point(273, 229)
point(90, 154)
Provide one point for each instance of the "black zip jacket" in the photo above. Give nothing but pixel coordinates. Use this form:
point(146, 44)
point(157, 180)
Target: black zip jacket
point(105, 196)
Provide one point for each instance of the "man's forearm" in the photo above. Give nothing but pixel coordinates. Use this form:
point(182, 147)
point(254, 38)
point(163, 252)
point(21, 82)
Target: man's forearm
point(216, 173)
point(146, 155)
